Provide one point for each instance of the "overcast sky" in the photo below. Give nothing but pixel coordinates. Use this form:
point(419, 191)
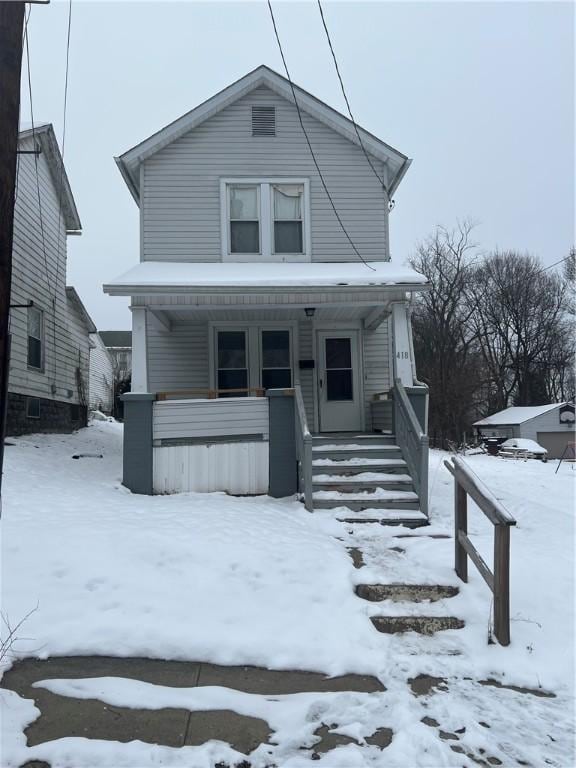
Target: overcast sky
point(479, 95)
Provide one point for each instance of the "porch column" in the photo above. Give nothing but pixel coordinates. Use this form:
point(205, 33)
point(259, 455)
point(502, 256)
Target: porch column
point(138, 452)
point(139, 351)
point(282, 444)
point(402, 345)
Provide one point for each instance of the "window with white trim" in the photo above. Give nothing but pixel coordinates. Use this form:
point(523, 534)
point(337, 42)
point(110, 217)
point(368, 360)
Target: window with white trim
point(35, 338)
point(266, 218)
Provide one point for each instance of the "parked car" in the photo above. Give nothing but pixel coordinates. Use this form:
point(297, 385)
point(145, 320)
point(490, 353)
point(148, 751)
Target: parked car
point(522, 448)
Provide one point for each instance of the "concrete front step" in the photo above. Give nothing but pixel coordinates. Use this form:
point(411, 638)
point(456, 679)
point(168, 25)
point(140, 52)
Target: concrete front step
point(404, 593)
point(424, 625)
point(409, 518)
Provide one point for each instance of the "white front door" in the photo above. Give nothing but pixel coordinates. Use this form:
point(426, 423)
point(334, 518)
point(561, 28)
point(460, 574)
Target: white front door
point(339, 381)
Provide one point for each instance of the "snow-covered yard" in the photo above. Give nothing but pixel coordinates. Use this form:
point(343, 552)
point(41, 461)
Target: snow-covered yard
point(260, 581)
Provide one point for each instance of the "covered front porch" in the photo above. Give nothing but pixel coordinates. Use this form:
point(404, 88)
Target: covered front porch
point(207, 350)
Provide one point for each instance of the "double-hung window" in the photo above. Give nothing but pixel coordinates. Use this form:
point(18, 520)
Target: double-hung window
point(35, 337)
point(266, 218)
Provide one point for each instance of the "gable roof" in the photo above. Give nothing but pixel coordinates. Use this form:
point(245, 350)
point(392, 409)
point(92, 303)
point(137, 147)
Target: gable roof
point(46, 138)
point(116, 338)
point(516, 415)
point(129, 163)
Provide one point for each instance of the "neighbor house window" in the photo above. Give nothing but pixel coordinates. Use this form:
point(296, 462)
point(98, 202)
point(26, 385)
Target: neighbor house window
point(35, 335)
point(266, 218)
point(244, 211)
point(33, 407)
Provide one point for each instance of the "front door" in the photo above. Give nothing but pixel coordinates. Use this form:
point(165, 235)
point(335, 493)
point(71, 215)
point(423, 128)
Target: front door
point(339, 381)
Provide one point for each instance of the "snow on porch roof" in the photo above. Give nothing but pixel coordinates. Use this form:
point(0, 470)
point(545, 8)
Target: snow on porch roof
point(516, 415)
point(234, 277)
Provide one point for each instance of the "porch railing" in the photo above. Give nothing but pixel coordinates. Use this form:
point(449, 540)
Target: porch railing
point(303, 450)
point(467, 483)
point(413, 442)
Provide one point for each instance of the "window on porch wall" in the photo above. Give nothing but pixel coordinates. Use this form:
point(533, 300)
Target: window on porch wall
point(232, 362)
point(275, 355)
point(270, 365)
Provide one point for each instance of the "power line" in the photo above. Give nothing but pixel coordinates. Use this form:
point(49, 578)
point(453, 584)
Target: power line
point(61, 185)
point(545, 269)
point(366, 155)
point(329, 196)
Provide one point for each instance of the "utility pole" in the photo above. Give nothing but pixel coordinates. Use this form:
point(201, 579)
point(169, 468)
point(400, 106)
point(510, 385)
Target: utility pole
point(11, 39)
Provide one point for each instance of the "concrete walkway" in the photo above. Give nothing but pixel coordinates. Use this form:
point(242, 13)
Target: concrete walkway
point(63, 716)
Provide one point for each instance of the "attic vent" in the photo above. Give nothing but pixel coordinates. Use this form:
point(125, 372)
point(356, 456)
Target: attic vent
point(263, 121)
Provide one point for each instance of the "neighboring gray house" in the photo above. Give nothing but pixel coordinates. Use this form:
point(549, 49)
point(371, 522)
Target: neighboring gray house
point(119, 345)
point(49, 326)
point(552, 426)
point(247, 286)
point(101, 376)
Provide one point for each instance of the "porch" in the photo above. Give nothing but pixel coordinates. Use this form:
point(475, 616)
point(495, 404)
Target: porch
point(209, 347)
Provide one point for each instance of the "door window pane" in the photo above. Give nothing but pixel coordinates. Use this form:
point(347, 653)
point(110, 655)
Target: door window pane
point(339, 385)
point(338, 353)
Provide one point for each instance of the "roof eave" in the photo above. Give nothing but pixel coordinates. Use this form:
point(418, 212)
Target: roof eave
point(129, 179)
point(139, 289)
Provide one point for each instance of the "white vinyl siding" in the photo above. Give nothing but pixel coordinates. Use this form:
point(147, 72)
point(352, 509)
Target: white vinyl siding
point(376, 365)
point(179, 359)
point(39, 275)
point(228, 417)
point(101, 376)
point(180, 199)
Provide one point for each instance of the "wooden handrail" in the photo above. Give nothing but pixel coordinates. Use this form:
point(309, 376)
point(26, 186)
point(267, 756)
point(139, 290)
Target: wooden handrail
point(210, 394)
point(467, 483)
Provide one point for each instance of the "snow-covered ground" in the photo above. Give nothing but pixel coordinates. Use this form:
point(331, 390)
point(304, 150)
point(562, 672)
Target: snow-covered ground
point(258, 581)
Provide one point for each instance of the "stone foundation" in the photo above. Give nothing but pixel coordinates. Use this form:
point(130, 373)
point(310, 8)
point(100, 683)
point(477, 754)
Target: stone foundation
point(55, 416)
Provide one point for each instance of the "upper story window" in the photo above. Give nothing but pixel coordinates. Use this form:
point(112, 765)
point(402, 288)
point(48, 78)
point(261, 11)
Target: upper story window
point(266, 218)
point(35, 338)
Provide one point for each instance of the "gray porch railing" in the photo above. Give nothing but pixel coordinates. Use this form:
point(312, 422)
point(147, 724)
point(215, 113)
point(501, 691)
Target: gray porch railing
point(303, 450)
point(413, 442)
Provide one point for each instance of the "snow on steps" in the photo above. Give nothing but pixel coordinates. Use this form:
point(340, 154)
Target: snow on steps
point(361, 478)
point(410, 593)
point(363, 481)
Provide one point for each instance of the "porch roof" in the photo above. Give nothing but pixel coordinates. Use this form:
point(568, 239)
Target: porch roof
point(150, 277)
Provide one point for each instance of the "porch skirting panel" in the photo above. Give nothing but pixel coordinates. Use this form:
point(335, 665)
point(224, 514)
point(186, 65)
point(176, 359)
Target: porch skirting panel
point(237, 468)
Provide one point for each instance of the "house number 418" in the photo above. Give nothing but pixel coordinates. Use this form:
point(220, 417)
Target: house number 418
point(402, 355)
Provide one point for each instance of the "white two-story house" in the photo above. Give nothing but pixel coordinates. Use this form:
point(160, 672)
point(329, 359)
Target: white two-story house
point(271, 342)
point(49, 325)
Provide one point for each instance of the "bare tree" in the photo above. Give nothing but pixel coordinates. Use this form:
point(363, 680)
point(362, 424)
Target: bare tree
point(517, 318)
point(447, 357)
